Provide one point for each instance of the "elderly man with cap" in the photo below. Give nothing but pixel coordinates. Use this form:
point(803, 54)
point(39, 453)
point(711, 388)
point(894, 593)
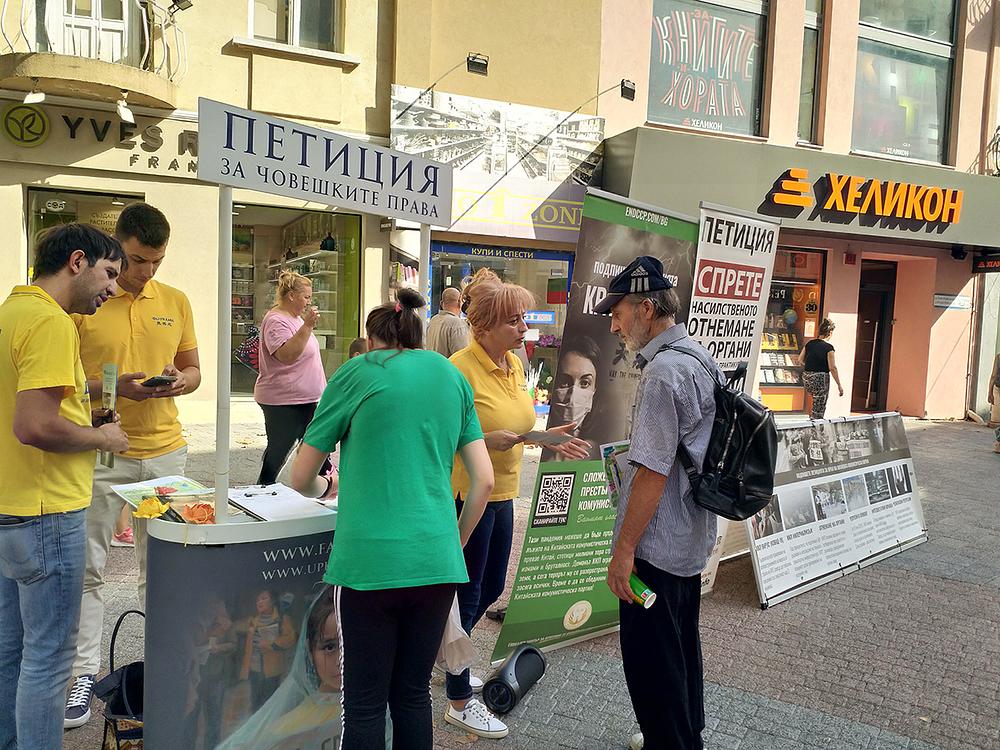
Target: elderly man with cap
point(660, 534)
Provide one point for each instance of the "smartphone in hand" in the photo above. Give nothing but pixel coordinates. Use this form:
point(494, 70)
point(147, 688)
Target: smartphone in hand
point(159, 380)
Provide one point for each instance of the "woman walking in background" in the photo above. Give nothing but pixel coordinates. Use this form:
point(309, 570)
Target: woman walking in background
point(400, 414)
point(495, 311)
point(291, 378)
point(819, 364)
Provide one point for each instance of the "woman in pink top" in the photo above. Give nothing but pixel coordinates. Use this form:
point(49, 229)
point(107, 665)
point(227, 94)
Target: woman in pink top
point(291, 378)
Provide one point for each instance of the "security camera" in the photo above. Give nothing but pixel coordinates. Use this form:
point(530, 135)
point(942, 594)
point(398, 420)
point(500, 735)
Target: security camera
point(958, 252)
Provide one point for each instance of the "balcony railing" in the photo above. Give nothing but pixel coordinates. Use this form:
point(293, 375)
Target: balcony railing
point(139, 33)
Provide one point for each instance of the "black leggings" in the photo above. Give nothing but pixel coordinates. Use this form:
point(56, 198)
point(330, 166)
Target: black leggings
point(283, 425)
point(389, 641)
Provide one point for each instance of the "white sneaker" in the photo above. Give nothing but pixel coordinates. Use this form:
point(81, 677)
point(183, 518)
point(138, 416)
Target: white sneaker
point(475, 683)
point(78, 702)
point(636, 742)
point(476, 719)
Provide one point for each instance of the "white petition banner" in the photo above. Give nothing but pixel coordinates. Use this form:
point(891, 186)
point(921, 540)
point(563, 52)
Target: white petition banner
point(251, 150)
point(732, 280)
point(845, 496)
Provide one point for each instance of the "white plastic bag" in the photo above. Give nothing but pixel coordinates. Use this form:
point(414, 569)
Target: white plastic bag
point(457, 652)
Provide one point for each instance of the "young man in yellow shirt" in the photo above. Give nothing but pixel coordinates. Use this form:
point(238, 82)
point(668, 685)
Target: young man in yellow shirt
point(146, 329)
point(47, 440)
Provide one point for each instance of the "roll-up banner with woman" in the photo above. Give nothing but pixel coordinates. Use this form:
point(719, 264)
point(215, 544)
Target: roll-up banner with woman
point(560, 593)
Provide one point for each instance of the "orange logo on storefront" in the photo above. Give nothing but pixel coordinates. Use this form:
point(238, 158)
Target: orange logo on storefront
point(868, 197)
point(794, 189)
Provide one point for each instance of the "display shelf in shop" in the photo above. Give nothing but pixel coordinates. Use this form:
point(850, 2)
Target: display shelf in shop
point(300, 258)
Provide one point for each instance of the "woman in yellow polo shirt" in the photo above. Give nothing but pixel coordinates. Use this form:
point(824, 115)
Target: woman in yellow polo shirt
point(496, 315)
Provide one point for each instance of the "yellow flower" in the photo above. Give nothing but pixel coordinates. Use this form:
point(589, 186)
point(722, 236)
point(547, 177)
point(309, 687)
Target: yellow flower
point(150, 507)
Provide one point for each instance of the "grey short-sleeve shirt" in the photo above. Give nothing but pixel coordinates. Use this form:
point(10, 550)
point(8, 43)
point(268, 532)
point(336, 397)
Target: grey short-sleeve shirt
point(675, 400)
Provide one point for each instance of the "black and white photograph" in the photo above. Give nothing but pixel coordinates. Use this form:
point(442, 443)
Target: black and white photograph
point(855, 493)
point(899, 480)
point(797, 506)
point(828, 500)
point(767, 521)
point(878, 486)
point(895, 433)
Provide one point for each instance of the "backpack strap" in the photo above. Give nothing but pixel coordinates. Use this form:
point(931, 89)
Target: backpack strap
point(683, 454)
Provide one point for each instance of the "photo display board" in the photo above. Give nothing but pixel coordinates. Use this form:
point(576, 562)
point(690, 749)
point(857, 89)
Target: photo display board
point(845, 496)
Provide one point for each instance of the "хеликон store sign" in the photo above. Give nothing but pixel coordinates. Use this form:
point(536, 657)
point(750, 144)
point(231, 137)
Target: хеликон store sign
point(842, 197)
point(251, 150)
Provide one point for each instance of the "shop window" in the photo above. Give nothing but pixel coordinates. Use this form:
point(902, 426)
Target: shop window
point(544, 273)
point(904, 75)
point(313, 24)
point(932, 19)
point(52, 208)
point(322, 246)
point(901, 102)
point(794, 311)
point(810, 80)
point(706, 65)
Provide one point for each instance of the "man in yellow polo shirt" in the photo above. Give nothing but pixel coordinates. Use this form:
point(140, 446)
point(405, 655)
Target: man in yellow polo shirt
point(47, 440)
point(146, 329)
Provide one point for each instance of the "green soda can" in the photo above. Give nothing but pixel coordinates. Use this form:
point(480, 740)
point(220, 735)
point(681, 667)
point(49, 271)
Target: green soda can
point(641, 593)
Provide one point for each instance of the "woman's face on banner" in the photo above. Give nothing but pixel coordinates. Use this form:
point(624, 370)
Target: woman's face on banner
point(325, 653)
point(575, 387)
point(264, 603)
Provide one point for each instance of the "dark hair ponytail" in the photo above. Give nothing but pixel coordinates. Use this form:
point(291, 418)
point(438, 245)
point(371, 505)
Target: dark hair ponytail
point(826, 327)
point(397, 324)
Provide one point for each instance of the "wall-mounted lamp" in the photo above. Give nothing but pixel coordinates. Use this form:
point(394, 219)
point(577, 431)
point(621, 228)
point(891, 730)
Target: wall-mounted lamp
point(477, 63)
point(34, 96)
point(628, 89)
point(123, 111)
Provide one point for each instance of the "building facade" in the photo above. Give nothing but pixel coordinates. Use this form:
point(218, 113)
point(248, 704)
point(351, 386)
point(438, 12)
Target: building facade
point(74, 156)
point(815, 111)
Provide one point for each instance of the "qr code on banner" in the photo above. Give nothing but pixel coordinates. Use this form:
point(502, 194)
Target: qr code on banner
point(554, 495)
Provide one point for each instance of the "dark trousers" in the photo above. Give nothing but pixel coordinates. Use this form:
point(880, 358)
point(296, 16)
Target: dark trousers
point(283, 425)
point(389, 640)
point(486, 557)
point(261, 688)
point(661, 653)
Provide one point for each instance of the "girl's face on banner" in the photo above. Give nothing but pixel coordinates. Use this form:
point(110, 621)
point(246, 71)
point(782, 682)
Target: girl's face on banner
point(325, 654)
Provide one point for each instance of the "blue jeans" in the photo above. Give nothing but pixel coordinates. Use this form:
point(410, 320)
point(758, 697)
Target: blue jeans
point(487, 554)
point(41, 585)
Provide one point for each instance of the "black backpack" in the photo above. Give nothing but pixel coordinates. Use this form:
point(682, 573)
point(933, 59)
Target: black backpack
point(737, 478)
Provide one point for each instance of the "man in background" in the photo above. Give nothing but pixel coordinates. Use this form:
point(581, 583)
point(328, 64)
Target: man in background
point(448, 331)
point(47, 440)
point(146, 329)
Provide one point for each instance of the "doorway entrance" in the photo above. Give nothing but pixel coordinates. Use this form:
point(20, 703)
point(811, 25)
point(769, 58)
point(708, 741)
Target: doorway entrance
point(876, 301)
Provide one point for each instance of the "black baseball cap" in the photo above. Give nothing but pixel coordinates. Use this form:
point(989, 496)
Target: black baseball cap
point(644, 274)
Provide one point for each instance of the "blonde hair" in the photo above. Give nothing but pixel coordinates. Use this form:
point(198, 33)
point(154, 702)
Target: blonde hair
point(492, 301)
point(288, 282)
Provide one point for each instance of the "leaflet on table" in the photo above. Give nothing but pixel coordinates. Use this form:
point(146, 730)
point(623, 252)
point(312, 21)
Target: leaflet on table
point(178, 488)
point(177, 491)
point(610, 453)
point(276, 502)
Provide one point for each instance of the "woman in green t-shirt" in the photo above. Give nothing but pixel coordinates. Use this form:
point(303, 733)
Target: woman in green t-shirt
point(400, 414)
